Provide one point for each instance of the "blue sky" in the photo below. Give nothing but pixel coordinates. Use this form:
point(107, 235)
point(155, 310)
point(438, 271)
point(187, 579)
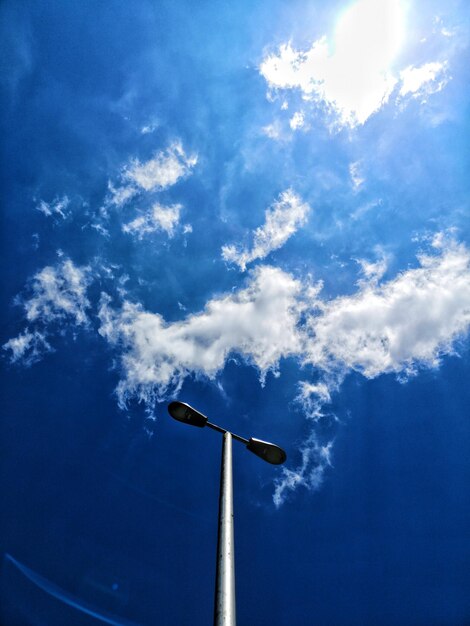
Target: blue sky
point(260, 209)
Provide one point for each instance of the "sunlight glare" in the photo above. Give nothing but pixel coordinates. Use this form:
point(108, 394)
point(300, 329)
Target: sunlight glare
point(368, 38)
point(371, 31)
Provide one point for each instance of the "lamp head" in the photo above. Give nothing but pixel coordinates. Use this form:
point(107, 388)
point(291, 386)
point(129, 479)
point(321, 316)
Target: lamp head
point(267, 451)
point(184, 413)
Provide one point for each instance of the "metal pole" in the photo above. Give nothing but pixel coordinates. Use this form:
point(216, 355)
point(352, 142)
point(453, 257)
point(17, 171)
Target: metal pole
point(224, 606)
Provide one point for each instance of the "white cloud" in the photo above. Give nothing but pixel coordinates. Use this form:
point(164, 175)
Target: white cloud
point(441, 28)
point(150, 128)
point(316, 451)
point(408, 322)
point(353, 74)
point(258, 323)
point(162, 171)
point(313, 397)
point(100, 229)
point(27, 348)
point(159, 218)
point(56, 207)
point(446, 32)
point(394, 327)
point(404, 324)
point(356, 175)
point(59, 292)
point(282, 221)
point(273, 131)
point(297, 120)
point(372, 271)
point(118, 196)
point(316, 458)
point(363, 209)
point(423, 80)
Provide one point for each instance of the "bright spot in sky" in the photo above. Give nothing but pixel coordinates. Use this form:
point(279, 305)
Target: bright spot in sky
point(368, 38)
point(353, 74)
point(371, 32)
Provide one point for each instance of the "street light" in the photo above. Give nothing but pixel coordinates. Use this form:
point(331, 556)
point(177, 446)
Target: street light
point(224, 604)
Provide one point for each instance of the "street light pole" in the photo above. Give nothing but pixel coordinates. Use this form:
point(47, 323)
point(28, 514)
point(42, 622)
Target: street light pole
point(224, 604)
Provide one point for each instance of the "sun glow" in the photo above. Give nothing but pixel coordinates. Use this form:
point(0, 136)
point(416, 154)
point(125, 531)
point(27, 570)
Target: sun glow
point(371, 32)
point(368, 38)
point(353, 73)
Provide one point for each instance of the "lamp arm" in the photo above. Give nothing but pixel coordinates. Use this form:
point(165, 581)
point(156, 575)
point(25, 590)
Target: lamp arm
point(219, 429)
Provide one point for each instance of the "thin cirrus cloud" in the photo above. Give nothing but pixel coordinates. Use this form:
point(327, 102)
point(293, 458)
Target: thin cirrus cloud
point(357, 178)
point(316, 451)
point(316, 458)
point(282, 220)
point(391, 327)
point(297, 120)
point(158, 218)
point(27, 348)
point(58, 294)
point(160, 172)
point(56, 207)
point(353, 74)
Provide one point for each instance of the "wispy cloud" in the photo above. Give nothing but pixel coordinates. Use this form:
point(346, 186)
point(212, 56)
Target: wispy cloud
point(297, 120)
point(273, 131)
point(159, 218)
point(150, 127)
point(313, 397)
point(27, 348)
point(55, 298)
point(58, 206)
point(315, 459)
point(58, 293)
point(372, 271)
point(162, 171)
point(357, 178)
point(316, 451)
point(118, 196)
point(282, 220)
